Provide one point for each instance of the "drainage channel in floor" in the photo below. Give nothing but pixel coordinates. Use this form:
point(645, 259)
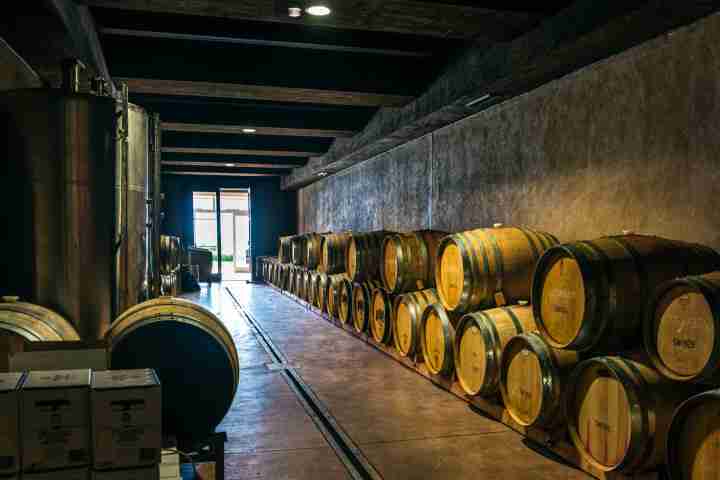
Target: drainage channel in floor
point(347, 451)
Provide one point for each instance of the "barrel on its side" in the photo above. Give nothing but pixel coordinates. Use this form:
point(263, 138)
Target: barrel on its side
point(408, 260)
point(408, 309)
point(480, 340)
point(333, 288)
point(437, 339)
point(285, 250)
point(488, 267)
point(313, 252)
point(322, 284)
point(362, 302)
point(533, 377)
point(381, 316)
point(363, 256)
point(334, 252)
point(312, 291)
point(592, 294)
point(307, 282)
point(693, 446)
point(345, 301)
point(619, 413)
point(682, 328)
point(298, 245)
point(170, 254)
point(162, 334)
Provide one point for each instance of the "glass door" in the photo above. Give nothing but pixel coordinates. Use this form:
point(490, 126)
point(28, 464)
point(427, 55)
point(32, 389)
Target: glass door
point(205, 224)
point(235, 233)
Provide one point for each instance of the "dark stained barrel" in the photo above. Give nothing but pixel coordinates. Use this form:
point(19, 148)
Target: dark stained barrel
point(313, 251)
point(333, 252)
point(363, 256)
point(592, 294)
point(362, 301)
point(193, 354)
point(332, 297)
point(408, 260)
point(345, 301)
point(299, 249)
point(321, 289)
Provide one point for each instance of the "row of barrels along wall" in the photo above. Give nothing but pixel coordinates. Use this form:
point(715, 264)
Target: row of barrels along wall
point(620, 331)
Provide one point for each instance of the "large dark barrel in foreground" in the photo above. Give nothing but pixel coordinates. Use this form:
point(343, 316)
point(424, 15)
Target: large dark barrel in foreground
point(194, 356)
point(408, 260)
point(682, 328)
point(693, 449)
point(488, 267)
point(333, 250)
point(619, 412)
point(363, 256)
point(592, 294)
point(35, 323)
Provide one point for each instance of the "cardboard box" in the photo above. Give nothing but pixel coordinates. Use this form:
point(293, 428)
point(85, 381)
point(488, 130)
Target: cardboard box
point(55, 425)
point(10, 384)
point(126, 419)
point(96, 359)
point(74, 474)
point(170, 465)
point(147, 473)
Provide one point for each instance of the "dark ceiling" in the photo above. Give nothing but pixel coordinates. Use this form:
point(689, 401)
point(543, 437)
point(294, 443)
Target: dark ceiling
point(327, 76)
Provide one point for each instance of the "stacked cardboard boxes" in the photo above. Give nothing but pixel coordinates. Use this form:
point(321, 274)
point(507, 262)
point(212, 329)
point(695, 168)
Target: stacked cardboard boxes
point(76, 425)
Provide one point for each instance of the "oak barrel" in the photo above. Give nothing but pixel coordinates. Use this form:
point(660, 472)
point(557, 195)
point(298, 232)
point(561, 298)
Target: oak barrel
point(334, 252)
point(313, 251)
point(682, 328)
point(285, 250)
point(488, 267)
point(312, 288)
point(693, 441)
point(479, 342)
point(533, 376)
point(408, 309)
point(381, 316)
point(362, 302)
point(170, 254)
point(299, 249)
point(619, 412)
point(592, 294)
point(408, 260)
point(307, 285)
point(363, 255)
point(321, 287)
point(345, 301)
point(437, 339)
point(35, 323)
point(332, 291)
point(193, 354)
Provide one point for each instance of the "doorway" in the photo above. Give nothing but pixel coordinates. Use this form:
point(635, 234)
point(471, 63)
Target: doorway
point(235, 234)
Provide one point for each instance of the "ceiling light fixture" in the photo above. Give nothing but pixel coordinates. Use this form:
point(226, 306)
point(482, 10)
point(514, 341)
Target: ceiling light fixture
point(249, 130)
point(318, 10)
point(294, 12)
point(480, 99)
point(229, 164)
point(322, 174)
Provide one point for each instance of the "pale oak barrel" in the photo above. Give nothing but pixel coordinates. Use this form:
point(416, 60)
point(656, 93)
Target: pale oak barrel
point(437, 339)
point(333, 289)
point(381, 316)
point(408, 309)
point(362, 302)
point(408, 260)
point(479, 342)
point(345, 301)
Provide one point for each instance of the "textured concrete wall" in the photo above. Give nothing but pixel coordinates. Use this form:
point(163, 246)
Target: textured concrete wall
point(632, 142)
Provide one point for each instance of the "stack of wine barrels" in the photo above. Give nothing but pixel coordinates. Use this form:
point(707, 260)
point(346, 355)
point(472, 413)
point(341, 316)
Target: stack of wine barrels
point(285, 250)
point(606, 339)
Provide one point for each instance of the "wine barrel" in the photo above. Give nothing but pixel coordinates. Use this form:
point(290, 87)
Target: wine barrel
point(170, 254)
point(299, 249)
point(301, 284)
point(533, 376)
point(488, 267)
point(693, 443)
point(333, 289)
point(363, 256)
point(408, 310)
point(285, 250)
point(313, 251)
point(198, 389)
point(592, 294)
point(408, 260)
point(307, 281)
point(321, 288)
point(311, 292)
point(682, 328)
point(381, 316)
point(619, 413)
point(437, 339)
point(479, 342)
point(333, 252)
point(362, 301)
point(35, 323)
point(345, 301)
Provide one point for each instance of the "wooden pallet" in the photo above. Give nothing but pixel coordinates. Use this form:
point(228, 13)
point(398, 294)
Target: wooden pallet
point(556, 442)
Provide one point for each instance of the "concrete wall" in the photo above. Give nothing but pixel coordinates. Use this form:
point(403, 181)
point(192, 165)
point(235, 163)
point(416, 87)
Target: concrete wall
point(632, 142)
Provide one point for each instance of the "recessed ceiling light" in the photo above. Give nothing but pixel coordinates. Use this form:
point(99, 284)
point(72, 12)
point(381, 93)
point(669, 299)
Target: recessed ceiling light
point(249, 130)
point(318, 10)
point(294, 12)
point(229, 164)
point(322, 174)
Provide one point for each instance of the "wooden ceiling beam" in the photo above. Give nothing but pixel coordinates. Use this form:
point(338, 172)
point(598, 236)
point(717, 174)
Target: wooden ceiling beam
point(239, 152)
point(240, 129)
point(261, 92)
point(399, 16)
point(279, 166)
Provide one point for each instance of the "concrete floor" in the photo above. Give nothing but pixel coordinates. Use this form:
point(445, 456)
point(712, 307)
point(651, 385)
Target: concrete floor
point(405, 426)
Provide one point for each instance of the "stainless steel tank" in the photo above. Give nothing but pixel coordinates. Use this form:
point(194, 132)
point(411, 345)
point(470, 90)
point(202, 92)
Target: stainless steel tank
point(73, 243)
